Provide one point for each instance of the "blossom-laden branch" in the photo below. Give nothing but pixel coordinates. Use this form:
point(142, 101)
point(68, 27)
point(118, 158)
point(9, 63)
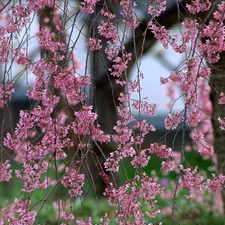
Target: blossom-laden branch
point(46, 133)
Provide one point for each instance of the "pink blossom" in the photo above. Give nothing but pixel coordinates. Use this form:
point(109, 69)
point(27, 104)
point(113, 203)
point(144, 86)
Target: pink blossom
point(108, 30)
point(20, 17)
point(62, 124)
point(32, 176)
point(111, 53)
point(216, 184)
point(22, 57)
point(45, 39)
point(84, 121)
point(204, 72)
point(112, 162)
point(168, 166)
point(222, 123)
point(107, 13)
point(197, 136)
point(74, 181)
point(5, 171)
point(18, 213)
point(94, 44)
point(154, 214)
point(6, 91)
point(206, 151)
point(198, 6)
point(99, 135)
point(123, 135)
point(213, 33)
point(161, 34)
point(194, 116)
point(173, 121)
point(163, 80)
point(83, 222)
point(36, 5)
point(120, 65)
point(130, 19)
point(156, 7)
point(10, 142)
point(87, 6)
point(176, 77)
point(67, 216)
point(127, 195)
point(25, 124)
point(141, 159)
point(71, 85)
point(190, 179)
point(145, 107)
point(160, 150)
point(4, 49)
point(149, 188)
point(221, 99)
point(218, 14)
point(144, 127)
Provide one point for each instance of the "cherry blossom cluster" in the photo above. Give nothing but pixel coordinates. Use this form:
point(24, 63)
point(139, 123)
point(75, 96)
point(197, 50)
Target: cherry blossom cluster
point(94, 44)
point(221, 99)
point(108, 30)
point(194, 117)
point(74, 181)
point(6, 91)
point(125, 139)
point(127, 195)
point(46, 39)
point(71, 84)
point(4, 48)
point(173, 121)
point(144, 107)
point(213, 33)
point(5, 171)
point(156, 7)
point(36, 5)
point(46, 135)
point(67, 216)
point(161, 34)
point(218, 14)
point(168, 166)
point(87, 6)
point(216, 184)
point(41, 133)
point(128, 13)
point(112, 52)
point(202, 134)
point(222, 123)
point(20, 16)
point(190, 179)
point(161, 151)
point(191, 78)
point(83, 222)
point(18, 213)
point(119, 67)
point(198, 6)
point(32, 176)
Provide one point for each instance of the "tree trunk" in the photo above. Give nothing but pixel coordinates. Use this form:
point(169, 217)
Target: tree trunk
point(217, 83)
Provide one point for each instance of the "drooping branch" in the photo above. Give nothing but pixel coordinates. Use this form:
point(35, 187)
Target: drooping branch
point(140, 43)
